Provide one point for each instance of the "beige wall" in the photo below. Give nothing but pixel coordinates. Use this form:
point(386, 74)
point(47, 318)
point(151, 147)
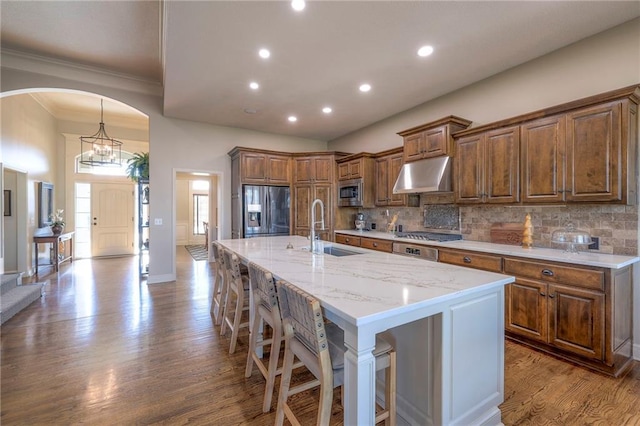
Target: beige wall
point(30, 144)
point(604, 62)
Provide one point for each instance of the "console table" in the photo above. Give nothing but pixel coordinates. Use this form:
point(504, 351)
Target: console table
point(55, 241)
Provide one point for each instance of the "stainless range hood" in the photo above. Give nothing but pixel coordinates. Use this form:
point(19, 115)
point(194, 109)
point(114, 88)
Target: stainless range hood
point(428, 175)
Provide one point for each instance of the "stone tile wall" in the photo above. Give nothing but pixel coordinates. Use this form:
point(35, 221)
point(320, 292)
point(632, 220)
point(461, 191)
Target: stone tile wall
point(616, 226)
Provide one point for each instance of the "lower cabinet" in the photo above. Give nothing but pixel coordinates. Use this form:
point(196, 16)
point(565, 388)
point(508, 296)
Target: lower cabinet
point(580, 313)
point(365, 242)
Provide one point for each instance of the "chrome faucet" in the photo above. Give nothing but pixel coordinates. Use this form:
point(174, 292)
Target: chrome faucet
point(313, 222)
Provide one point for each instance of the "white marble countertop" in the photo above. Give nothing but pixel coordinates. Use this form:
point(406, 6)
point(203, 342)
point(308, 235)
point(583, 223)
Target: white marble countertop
point(366, 287)
point(584, 258)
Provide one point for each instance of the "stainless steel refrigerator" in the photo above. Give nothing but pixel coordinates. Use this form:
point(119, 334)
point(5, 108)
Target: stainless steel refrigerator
point(265, 210)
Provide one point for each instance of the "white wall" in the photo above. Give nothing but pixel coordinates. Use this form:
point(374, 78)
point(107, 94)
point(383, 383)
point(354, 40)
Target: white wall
point(607, 61)
point(10, 229)
point(173, 144)
point(30, 143)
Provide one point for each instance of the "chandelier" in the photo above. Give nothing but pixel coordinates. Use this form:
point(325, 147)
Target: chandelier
point(99, 149)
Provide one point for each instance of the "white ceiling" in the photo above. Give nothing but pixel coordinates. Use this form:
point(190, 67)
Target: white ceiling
point(205, 52)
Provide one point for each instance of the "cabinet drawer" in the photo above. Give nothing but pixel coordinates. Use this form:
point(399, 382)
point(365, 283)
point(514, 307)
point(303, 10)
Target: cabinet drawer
point(348, 239)
point(579, 277)
point(471, 260)
point(375, 244)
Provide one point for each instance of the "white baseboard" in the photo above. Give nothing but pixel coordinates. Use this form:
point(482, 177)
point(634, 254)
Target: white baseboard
point(157, 279)
point(636, 351)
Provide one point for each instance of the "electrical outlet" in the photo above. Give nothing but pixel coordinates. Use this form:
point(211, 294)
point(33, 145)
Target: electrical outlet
point(595, 245)
point(373, 226)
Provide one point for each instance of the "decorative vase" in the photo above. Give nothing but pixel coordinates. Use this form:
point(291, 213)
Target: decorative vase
point(57, 229)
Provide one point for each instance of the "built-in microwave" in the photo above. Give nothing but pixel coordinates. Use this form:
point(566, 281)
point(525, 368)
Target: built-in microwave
point(350, 193)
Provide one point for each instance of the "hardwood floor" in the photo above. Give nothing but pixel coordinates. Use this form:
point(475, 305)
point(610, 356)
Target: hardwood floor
point(100, 348)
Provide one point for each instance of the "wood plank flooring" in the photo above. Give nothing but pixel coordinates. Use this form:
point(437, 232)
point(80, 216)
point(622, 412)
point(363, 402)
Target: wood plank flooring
point(101, 348)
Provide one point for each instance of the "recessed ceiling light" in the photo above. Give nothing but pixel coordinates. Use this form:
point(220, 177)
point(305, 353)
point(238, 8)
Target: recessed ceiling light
point(365, 87)
point(425, 51)
point(292, 118)
point(298, 5)
point(254, 85)
point(264, 53)
point(327, 110)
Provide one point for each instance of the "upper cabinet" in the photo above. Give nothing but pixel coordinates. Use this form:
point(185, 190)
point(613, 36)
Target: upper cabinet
point(263, 168)
point(487, 167)
point(352, 169)
point(314, 169)
point(431, 139)
point(583, 151)
point(388, 167)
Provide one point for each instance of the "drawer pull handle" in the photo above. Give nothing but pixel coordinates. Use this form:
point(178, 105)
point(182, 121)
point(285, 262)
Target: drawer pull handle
point(466, 259)
point(542, 293)
point(551, 296)
point(347, 240)
point(547, 272)
point(375, 244)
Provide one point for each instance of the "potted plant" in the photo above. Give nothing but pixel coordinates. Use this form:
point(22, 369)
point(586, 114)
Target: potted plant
point(138, 167)
point(57, 222)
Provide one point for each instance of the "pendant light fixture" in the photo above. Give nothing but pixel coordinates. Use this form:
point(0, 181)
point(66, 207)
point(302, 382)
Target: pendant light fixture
point(99, 149)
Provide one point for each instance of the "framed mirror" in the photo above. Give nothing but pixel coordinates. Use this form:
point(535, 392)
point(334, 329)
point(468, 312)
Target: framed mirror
point(45, 205)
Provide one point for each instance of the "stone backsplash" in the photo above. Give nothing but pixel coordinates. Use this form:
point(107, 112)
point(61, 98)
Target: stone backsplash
point(616, 226)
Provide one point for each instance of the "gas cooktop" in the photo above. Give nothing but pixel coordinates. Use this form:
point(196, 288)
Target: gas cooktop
point(429, 236)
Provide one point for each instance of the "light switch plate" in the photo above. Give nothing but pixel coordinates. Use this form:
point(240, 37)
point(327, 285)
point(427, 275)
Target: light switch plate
point(157, 221)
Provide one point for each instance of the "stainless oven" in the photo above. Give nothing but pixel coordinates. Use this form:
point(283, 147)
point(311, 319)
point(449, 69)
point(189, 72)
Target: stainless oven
point(350, 193)
point(415, 250)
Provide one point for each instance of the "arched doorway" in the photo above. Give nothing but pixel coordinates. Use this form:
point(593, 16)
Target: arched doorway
point(40, 136)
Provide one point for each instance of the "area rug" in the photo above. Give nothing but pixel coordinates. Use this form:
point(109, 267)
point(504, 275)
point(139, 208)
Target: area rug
point(198, 252)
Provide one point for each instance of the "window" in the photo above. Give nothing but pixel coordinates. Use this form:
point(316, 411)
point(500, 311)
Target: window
point(200, 213)
point(82, 238)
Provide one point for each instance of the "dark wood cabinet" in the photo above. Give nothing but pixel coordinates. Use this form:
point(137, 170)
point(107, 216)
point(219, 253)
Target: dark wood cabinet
point(262, 168)
point(314, 169)
point(352, 169)
point(595, 154)
point(543, 160)
point(487, 167)
point(580, 313)
point(304, 195)
point(387, 169)
point(431, 139)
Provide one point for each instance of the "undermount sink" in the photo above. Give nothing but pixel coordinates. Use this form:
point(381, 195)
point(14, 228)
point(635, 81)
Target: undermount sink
point(335, 251)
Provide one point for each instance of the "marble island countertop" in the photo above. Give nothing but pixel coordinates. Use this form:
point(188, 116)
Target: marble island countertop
point(584, 258)
point(367, 286)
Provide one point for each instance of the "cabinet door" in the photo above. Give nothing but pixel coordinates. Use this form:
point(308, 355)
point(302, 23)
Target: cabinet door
point(469, 169)
point(344, 171)
point(323, 192)
point(413, 147)
point(323, 169)
point(594, 154)
point(278, 170)
point(543, 165)
point(502, 160)
point(382, 181)
point(436, 142)
point(303, 203)
point(396, 162)
point(526, 309)
point(355, 169)
point(253, 167)
point(576, 320)
point(302, 170)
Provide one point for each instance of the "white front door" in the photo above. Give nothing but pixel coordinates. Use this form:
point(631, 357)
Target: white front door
point(111, 219)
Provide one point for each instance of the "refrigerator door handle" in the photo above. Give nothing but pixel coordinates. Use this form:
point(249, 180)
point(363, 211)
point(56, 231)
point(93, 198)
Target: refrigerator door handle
point(267, 210)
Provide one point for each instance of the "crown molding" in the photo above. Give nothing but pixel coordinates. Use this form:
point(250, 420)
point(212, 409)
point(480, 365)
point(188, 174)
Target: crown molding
point(71, 71)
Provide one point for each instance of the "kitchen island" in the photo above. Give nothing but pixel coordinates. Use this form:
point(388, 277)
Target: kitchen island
point(457, 367)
